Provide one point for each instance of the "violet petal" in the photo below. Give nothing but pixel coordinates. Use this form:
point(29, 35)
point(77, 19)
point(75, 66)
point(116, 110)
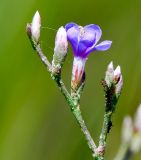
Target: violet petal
point(73, 35)
point(103, 46)
point(94, 30)
point(89, 38)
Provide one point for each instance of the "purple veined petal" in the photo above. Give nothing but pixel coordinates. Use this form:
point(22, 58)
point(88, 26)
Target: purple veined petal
point(88, 38)
point(103, 46)
point(70, 25)
point(73, 35)
point(95, 30)
point(83, 45)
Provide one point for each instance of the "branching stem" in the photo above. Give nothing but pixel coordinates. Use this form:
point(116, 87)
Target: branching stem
point(74, 106)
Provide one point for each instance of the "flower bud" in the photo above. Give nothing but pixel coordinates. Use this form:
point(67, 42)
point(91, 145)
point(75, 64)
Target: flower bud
point(28, 30)
point(117, 74)
point(114, 78)
point(60, 50)
point(127, 130)
point(35, 27)
point(61, 43)
point(78, 72)
point(109, 74)
point(138, 119)
point(136, 140)
point(119, 85)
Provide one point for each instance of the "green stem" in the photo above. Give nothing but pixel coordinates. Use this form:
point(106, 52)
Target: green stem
point(74, 105)
point(43, 57)
point(77, 113)
point(103, 136)
point(106, 128)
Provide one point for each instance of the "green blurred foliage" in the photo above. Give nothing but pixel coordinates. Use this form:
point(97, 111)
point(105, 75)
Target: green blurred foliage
point(35, 121)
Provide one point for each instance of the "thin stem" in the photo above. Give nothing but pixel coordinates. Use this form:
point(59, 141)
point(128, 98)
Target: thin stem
point(79, 118)
point(72, 104)
point(105, 129)
point(43, 57)
point(103, 136)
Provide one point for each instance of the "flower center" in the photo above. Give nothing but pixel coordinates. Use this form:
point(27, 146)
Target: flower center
point(82, 31)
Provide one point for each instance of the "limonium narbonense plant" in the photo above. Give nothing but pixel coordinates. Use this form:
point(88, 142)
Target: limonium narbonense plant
point(84, 40)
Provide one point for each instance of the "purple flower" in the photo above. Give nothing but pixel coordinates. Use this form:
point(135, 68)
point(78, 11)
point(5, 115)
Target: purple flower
point(84, 39)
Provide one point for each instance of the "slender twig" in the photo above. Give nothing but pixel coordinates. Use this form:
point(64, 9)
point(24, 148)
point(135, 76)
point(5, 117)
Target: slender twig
point(73, 106)
point(43, 57)
point(103, 136)
point(105, 129)
point(79, 118)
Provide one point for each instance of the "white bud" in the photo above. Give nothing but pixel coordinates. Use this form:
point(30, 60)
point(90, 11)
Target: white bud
point(117, 74)
point(136, 141)
point(138, 119)
point(35, 27)
point(127, 129)
point(109, 74)
point(117, 71)
point(110, 67)
point(61, 43)
point(119, 86)
point(60, 50)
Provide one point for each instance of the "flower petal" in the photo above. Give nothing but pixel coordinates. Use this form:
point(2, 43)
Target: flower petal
point(73, 35)
point(90, 36)
point(93, 30)
point(82, 47)
point(103, 46)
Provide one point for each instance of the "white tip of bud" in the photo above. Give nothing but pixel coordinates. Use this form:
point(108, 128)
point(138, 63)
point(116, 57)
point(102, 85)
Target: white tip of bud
point(60, 50)
point(138, 119)
point(117, 72)
point(109, 74)
point(127, 130)
point(61, 43)
point(119, 86)
point(110, 67)
point(35, 27)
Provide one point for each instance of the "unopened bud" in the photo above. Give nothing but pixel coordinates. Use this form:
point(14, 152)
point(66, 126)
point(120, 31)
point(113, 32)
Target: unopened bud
point(28, 30)
point(78, 72)
point(127, 130)
point(61, 43)
point(117, 74)
point(35, 27)
point(109, 74)
point(119, 86)
point(138, 119)
point(60, 50)
point(114, 78)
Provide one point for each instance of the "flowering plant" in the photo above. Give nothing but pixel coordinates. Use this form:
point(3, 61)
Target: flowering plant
point(84, 40)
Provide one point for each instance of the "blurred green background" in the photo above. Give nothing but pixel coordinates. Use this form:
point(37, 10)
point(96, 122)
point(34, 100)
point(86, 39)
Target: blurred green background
point(35, 122)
